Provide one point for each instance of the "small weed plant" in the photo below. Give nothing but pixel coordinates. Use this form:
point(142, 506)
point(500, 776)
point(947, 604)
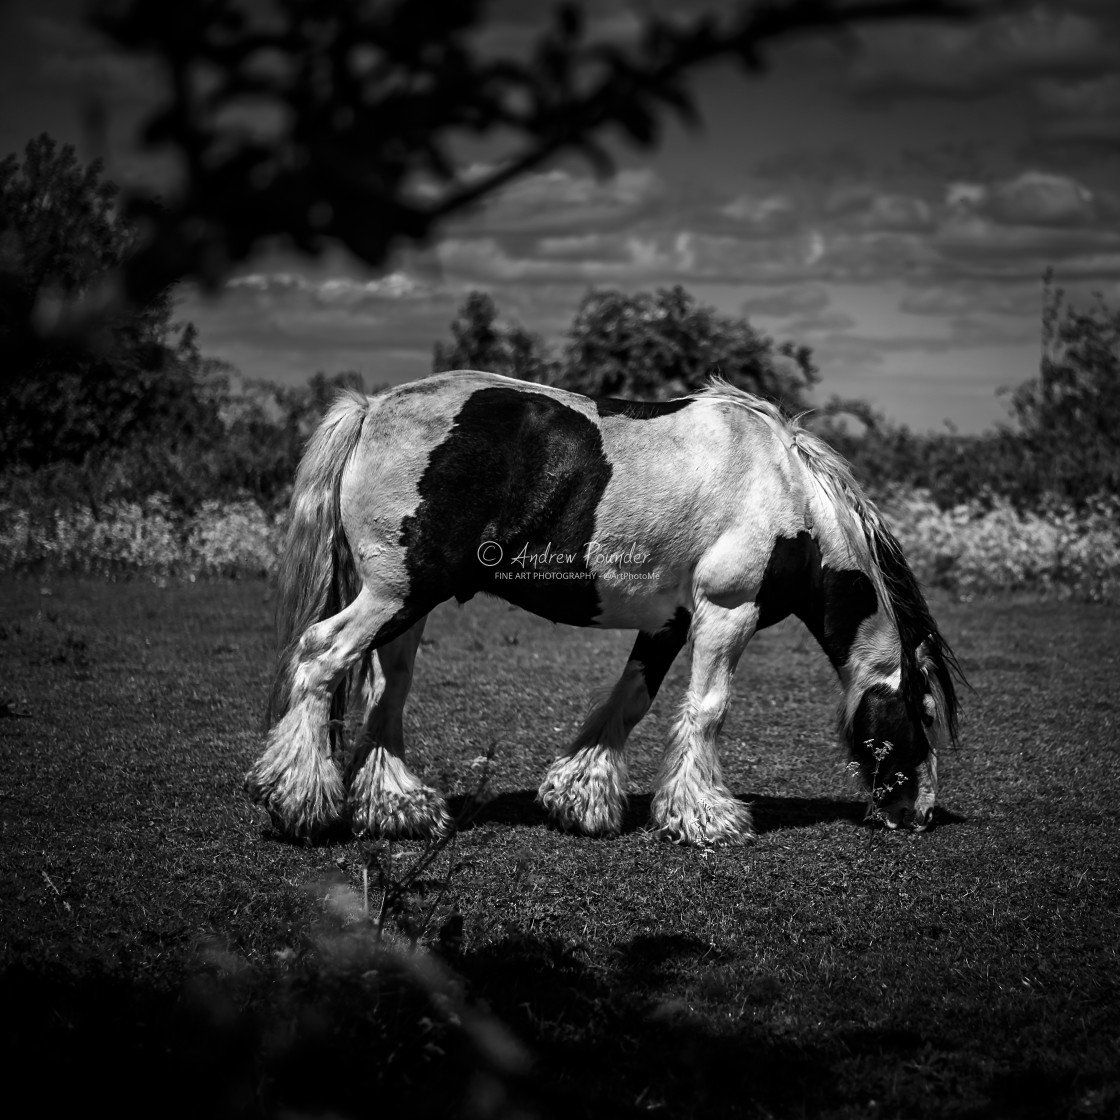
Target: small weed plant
point(398, 881)
point(880, 750)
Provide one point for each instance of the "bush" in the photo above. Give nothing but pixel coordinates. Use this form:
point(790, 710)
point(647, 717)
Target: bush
point(990, 546)
point(236, 539)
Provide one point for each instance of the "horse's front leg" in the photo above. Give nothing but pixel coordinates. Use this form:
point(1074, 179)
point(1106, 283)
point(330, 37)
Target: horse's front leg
point(691, 804)
point(585, 789)
point(385, 797)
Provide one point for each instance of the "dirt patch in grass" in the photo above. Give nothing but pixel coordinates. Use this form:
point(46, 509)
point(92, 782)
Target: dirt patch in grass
point(161, 949)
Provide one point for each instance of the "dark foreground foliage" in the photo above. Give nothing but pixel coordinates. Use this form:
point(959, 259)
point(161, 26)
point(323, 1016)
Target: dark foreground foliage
point(162, 950)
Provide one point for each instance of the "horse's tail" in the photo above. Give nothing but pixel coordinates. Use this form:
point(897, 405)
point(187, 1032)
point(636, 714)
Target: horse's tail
point(317, 576)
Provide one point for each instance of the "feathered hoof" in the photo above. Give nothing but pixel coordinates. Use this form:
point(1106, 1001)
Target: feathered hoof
point(304, 807)
point(711, 822)
point(387, 800)
point(419, 815)
point(585, 793)
point(602, 820)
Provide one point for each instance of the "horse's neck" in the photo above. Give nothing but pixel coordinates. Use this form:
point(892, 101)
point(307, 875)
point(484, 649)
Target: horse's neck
point(850, 622)
point(847, 610)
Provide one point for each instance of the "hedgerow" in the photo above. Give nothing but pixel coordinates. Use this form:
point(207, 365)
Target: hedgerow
point(989, 545)
point(978, 547)
point(141, 538)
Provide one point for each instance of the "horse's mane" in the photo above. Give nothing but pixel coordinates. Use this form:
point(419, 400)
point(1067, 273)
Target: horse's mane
point(872, 545)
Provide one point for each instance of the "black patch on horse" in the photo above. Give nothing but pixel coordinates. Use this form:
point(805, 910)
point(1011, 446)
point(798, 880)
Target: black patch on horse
point(831, 602)
point(655, 652)
point(522, 471)
point(639, 410)
point(847, 598)
point(882, 722)
point(788, 577)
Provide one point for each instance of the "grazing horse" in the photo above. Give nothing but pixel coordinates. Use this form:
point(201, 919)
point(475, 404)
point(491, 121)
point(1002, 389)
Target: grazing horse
point(696, 521)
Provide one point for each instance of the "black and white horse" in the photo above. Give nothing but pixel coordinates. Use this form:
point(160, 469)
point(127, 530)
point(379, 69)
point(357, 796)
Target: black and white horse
point(696, 521)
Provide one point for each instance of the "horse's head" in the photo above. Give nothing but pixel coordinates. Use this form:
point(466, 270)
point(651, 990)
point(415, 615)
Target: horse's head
point(894, 734)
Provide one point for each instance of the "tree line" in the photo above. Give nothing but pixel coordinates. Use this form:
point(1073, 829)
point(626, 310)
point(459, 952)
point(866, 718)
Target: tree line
point(137, 408)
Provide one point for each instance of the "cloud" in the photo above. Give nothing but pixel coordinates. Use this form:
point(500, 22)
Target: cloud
point(586, 247)
point(284, 309)
point(336, 290)
point(783, 304)
point(654, 257)
point(980, 241)
point(860, 256)
point(1032, 198)
point(1018, 226)
point(962, 332)
point(864, 205)
point(283, 325)
point(964, 297)
point(1076, 113)
point(1011, 229)
point(557, 200)
point(974, 330)
point(762, 215)
point(986, 56)
point(1015, 299)
point(860, 232)
point(897, 213)
point(1079, 96)
point(513, 27)
point(824, 322)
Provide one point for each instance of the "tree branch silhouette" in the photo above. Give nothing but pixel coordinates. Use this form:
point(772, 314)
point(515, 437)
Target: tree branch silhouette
point(321, 123)
point(336, 121)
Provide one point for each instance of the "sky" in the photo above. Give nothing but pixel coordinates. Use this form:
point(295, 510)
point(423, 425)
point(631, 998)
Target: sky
point(890, 198)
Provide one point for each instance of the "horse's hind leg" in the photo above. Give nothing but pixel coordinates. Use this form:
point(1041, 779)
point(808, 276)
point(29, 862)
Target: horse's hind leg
point(295, 778)
point(691, 804)
point(585, 789)
point(386, 798)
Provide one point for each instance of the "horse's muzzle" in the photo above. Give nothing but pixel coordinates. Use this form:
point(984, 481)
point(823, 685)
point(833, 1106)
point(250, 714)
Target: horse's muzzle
point(901, 815)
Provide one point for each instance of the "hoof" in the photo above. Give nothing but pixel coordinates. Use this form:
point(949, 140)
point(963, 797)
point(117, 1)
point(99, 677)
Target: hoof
point(585, 792)
point(295, 779)
point(692, 838)
point(421, 815)
point(303, 806)
point(388, 801)
point(718, 820)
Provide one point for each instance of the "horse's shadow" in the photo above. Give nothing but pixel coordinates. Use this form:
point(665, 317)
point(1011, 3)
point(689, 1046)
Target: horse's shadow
point(520, 807)
point(771, 814)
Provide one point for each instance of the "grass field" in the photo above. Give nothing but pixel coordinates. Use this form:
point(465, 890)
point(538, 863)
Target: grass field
point(164, 954)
